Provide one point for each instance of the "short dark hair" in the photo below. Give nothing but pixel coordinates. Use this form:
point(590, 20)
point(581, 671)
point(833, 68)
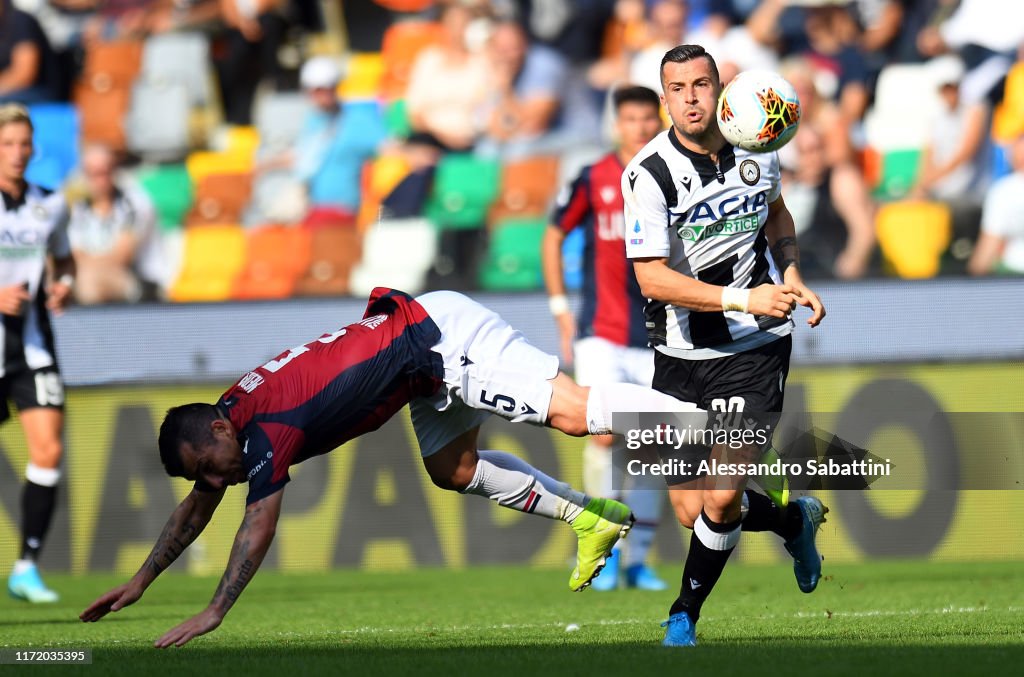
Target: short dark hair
point(188, 423)
point(635, 94)
point(684, 53)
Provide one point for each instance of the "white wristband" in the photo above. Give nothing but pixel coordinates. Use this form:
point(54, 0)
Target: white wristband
point(67, 279)
point(558, 304)
point(735, 299)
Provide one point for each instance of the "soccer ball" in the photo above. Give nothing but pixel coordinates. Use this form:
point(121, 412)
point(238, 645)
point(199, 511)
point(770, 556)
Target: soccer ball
point(758, 111)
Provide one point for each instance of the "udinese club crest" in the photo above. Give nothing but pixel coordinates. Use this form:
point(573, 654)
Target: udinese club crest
point(750, 172)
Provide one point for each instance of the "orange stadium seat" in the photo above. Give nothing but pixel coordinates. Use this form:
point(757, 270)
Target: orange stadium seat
point(220, 198)
point(380, 177)
point(112, 65)
point(334, 251)
point(527, 187)
point(402, 42)
point(405, 5)
point(102, 114)
point(913, 237)
point(212, 257)
point(275, 258)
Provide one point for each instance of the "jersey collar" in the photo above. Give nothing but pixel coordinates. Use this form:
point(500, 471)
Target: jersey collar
point(705, 168)
point(12, 203)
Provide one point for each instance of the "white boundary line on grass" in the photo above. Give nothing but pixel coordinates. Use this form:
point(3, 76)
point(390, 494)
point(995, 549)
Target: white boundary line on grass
point(369, 630)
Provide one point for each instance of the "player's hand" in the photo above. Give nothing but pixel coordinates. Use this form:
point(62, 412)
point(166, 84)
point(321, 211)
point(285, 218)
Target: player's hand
point(115, 600)
point(199, 624)
point(774, 300)
point(13, 299)
point(59, 297)
point(806, 297)
point(566, 335)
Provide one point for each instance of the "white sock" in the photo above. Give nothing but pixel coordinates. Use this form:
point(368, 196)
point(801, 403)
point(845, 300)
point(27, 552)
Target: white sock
point(608, 398)
point(22, 565)
point(513, 483)
point(646, 497)
point(598, 471)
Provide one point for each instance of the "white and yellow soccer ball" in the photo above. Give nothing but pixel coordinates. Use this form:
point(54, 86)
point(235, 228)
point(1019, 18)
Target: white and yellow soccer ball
point(759, 111)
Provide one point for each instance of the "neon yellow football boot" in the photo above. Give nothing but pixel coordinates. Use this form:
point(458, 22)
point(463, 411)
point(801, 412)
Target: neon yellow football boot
point(599, 527)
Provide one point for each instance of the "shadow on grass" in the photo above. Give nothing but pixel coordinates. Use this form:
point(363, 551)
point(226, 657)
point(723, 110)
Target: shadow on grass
point(578, 658)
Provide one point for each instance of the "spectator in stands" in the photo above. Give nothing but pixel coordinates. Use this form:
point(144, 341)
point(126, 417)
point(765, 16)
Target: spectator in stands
point(831, 207)
point(112, 229)
point(336, 140)
point(826, 33)
point(27, 67)
point(529, 80)
point(1000, 246)
point(953, 163)
point(449, 86)
point(666, 25)
point(818, 112)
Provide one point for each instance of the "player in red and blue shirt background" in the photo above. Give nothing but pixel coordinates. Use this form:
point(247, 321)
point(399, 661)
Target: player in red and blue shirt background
point(608, 341)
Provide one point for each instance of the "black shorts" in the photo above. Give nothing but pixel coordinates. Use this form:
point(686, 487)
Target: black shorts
point(30, 388)
point(752, 382)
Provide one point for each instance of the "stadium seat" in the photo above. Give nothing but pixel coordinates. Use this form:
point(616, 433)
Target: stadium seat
point(213, 258)
point(901, 88)
point(913, 236)
point(396, 119)
point(334, 251)
point(406, 5)
point(102, 114)
point(363, 74)
point(157, 123)
point(111, 65)
point(527, 187)
point(279, 119)
point(204, 163)
point(170, 188)
point(464, 188)
point(56, 143)
point(1008, 118)
point(513, 260)
point(179, 58)
point(899, 169)
point(275, 258)
point(380, 178)
point(397, 253)
point(241, 140)
point(220, 198)
point(401, 44)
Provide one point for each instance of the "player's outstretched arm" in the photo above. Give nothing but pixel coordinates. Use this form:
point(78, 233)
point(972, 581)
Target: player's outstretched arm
point(781, 234)
point(185, 524)
point(252, 542)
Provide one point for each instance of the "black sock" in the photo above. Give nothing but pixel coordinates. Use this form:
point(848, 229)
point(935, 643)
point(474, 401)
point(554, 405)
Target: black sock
point(704, 563)
point(37, 504)
point(764, 515)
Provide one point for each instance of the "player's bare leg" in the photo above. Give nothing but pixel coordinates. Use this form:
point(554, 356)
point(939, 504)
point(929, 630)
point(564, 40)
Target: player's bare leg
point(42, 426)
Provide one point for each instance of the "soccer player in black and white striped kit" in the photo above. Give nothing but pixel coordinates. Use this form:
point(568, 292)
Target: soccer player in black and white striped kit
point(714, 250)
point(33, 229)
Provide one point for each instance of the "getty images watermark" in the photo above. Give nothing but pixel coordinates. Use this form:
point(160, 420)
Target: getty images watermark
point(871, 449)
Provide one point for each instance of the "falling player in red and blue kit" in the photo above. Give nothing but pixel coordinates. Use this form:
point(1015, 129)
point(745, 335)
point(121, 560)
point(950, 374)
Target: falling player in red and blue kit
point(453, 361)
point(610, 334)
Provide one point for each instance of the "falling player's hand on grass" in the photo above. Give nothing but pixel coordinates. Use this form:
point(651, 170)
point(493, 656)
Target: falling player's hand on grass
point(114, 600)
point(200, 624)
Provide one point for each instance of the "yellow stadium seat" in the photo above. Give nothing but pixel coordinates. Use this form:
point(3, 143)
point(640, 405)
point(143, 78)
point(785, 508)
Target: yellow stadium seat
point(913, 236)
point(241, 140)
point(213, 257)
point(363, 76)
point(203, 163)
point(1008, 119)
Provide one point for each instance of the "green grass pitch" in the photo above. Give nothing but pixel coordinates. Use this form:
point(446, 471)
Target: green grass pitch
point(904, 618)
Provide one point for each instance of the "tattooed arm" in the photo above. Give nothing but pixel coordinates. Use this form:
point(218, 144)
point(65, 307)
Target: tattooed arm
point(185, 524)
point(781, 234)
point(251, 544)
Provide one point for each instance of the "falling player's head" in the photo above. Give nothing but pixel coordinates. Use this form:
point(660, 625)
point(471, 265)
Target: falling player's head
point(199, 444)
point(637, 117)
point(690, 80)
point(15, 141)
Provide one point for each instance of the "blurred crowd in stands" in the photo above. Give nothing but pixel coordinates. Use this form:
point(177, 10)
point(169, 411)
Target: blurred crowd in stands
point(240, 149)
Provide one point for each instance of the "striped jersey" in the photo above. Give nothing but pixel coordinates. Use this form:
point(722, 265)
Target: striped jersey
point(612, 302)
point(31, 228)
point(708, 221)
point(315, 397)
